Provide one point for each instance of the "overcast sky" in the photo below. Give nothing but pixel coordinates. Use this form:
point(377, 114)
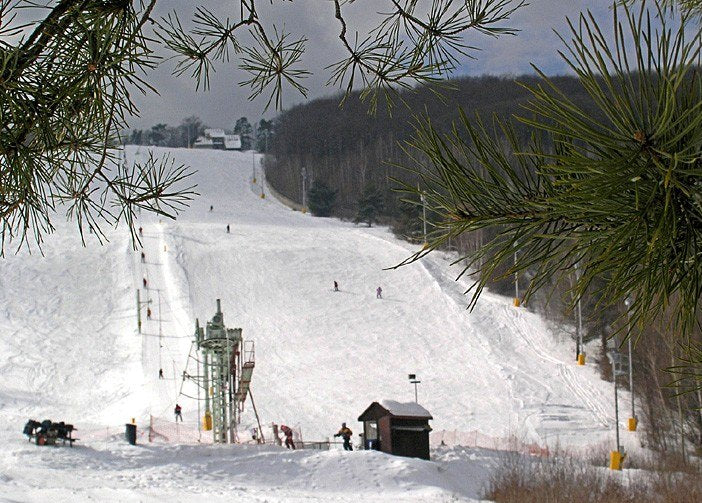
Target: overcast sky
point(226, 101)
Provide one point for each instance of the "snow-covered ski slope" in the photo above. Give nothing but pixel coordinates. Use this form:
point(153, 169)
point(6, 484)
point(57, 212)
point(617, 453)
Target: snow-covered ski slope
point(70, 349)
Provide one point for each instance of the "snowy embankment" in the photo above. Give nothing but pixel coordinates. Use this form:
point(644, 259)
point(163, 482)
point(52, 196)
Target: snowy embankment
point(71, 351)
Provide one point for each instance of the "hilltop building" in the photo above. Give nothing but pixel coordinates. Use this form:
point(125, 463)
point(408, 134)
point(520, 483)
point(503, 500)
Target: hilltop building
point(217, 139)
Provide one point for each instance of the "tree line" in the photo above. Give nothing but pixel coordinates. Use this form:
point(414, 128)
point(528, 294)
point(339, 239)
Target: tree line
point(190, 128)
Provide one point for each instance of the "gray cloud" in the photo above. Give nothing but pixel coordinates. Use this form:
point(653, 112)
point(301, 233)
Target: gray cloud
point(314, 19)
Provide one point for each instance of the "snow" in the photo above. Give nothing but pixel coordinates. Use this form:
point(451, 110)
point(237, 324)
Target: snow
point(404, 408)
point(71, 351)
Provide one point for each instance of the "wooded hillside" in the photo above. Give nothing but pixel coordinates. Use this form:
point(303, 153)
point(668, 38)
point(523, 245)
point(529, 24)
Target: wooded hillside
point(347, 148)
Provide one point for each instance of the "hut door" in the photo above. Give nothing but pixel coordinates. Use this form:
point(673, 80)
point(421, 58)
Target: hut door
point(371, 435)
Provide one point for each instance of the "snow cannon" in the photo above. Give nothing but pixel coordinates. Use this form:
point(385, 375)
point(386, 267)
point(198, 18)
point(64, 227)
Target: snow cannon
point(615, 460)
point(632, 423)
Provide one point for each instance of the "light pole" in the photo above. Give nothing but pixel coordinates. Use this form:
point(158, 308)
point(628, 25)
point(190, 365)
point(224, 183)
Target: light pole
point(303, 172)
point(413, 380)
point(615, 457)
point(516, 278)
point(579, 327)
point(424, 216)
point(253, 166)
point(632, 420)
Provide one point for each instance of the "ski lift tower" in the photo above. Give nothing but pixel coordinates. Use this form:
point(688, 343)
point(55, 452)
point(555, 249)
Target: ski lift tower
point(227, 366)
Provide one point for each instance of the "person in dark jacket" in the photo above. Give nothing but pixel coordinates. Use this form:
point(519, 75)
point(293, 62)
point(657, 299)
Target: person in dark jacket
point(178, 414)
point(287, 431)
point(346, 434)
point(336, 286)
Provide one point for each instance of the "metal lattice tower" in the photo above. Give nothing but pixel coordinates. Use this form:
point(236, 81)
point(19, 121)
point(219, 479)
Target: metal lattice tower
point(227, 364)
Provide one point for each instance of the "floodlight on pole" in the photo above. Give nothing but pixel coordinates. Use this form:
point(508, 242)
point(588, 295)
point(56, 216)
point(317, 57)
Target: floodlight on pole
point(413, 380)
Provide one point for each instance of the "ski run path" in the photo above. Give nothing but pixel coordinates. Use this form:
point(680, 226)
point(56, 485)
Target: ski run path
point(70, 351)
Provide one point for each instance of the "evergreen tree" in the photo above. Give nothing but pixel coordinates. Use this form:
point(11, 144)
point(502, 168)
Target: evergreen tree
point(264, 135)
point(321, 199)
point(190, 128)
point(370, 205)
point(409, 222)
point(245, 131)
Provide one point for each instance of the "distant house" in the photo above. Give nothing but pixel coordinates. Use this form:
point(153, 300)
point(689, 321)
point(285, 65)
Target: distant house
point(397, 428)
point(217, 139)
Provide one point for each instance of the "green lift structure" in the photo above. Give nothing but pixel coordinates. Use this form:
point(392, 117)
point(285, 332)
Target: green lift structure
point(225, 366)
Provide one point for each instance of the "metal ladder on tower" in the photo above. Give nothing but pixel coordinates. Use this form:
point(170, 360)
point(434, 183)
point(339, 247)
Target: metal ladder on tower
point(247, 368)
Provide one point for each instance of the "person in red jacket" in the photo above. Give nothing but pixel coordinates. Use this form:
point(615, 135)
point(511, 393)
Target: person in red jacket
point(287, 431)
point(178, 413)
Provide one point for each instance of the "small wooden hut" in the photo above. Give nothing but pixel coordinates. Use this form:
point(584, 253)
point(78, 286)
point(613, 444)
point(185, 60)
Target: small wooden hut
point(397, 428)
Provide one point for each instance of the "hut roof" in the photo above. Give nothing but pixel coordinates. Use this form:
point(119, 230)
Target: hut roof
point(395, 409)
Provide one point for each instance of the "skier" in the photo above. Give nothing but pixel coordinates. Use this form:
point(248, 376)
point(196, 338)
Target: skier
point(141, 231)
point(287, 431)
point(346, 434)
point(143, 258)
point(336, 286)
point(211, 208)
point(177, 413)
point(148, 313)
point(160, 376)
point(144, 282)
point(378, 293)
point(227, 228)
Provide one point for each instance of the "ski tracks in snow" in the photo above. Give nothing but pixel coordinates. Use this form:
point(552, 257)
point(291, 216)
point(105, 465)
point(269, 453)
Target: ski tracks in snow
point(522, 382)
point(584, 392)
